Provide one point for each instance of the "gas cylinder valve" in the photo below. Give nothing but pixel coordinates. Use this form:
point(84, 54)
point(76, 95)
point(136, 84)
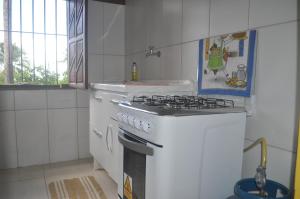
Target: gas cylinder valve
point(260, 176)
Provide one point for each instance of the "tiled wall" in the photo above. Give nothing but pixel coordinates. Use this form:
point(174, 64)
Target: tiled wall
point(43, 126)
point(175, 26)
point(106, 42)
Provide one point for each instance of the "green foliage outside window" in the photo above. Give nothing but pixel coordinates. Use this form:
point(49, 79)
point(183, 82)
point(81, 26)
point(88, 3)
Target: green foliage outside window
point(38, 75)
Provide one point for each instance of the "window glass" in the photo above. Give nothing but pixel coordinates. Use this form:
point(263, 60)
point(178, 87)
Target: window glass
point(1, 16)
point(37, 50)
point(27, 15)
point(51, 59)
point(39, 16)
point(39, 58)
point(50, 16)
point(17, 56)
point(15, 15)
point(61, 17)
point(62, 54)
point(27, 57)
point(2, 72)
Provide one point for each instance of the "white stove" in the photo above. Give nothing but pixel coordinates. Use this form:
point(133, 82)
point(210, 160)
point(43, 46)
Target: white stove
point(178, 147)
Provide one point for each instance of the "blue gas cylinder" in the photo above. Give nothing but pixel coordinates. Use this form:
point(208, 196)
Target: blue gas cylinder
point(246, 189)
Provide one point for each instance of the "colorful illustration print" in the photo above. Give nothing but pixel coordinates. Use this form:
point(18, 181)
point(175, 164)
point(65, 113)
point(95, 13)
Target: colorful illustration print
point(226, 64)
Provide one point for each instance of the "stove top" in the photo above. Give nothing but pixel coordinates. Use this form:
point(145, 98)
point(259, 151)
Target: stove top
point(181, 105)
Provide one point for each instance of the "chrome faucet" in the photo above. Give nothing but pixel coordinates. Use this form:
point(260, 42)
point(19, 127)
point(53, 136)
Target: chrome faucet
point(151, 52)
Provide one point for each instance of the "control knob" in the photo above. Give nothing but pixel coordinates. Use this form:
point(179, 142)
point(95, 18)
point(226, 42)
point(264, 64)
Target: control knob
point(125, 118)
point(145, 126)
point(137, 123)
point(120, 118)
point(130, 120)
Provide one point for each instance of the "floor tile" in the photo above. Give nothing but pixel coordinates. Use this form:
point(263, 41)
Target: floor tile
point(25, 173)
point(26, 189)
point(68, 169)
point(109, 187)
point(31, 182)
point(8, 175)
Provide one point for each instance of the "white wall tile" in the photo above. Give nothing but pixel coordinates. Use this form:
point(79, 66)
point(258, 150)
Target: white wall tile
point(114, 29)
point(65, 98)
point(136, 26)
point(266, 12)
point(30, 99)
point(128, 62)
point(154, 23)
point(83, 98)
point(171, 62)
point(152, 69)
point(172, 22)
point(8, 145)
point(114, 68)
point(95, 68)
point(140, 60)
point(7, 100)
point(63, 135)
point(32, 136)
point(95, 26)
point(228, 16)
point(83, 132)
point(164, 20)
point(275, 86)
point(195, 23)
point(190, 60)
point(279, 164)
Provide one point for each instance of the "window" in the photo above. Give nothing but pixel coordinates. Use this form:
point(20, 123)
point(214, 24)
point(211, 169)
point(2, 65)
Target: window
point(33, 42)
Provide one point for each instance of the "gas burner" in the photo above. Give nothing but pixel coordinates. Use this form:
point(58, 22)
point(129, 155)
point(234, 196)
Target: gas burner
point(183, 102)
point(139, 99)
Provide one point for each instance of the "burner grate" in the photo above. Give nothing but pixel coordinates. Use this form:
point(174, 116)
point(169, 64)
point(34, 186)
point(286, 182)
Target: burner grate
point(184, 102)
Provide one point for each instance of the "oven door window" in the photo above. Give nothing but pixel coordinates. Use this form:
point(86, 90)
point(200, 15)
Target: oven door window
point(134, 166)
point(134, 174)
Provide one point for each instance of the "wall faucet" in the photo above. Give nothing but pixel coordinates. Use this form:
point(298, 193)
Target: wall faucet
point(151, 52)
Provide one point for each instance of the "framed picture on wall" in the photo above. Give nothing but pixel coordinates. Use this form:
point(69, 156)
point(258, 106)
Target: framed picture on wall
point(226, 64)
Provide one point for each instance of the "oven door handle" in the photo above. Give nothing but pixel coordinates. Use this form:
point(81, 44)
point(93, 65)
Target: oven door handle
point(135, 146)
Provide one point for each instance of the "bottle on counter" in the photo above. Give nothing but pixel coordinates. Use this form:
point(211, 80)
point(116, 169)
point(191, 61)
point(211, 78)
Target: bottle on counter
point(134, 72)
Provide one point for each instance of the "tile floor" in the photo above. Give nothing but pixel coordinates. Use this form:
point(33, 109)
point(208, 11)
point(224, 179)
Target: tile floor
point(31, 182)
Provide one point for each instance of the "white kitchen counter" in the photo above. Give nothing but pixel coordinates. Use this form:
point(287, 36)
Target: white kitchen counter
point(157, 86)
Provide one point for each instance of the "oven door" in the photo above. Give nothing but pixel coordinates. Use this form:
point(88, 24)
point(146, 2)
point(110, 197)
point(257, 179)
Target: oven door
point(135, 151)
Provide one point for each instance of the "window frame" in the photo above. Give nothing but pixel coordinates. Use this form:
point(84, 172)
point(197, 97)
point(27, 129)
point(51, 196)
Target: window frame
point(27, 85)
point(33, 87)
